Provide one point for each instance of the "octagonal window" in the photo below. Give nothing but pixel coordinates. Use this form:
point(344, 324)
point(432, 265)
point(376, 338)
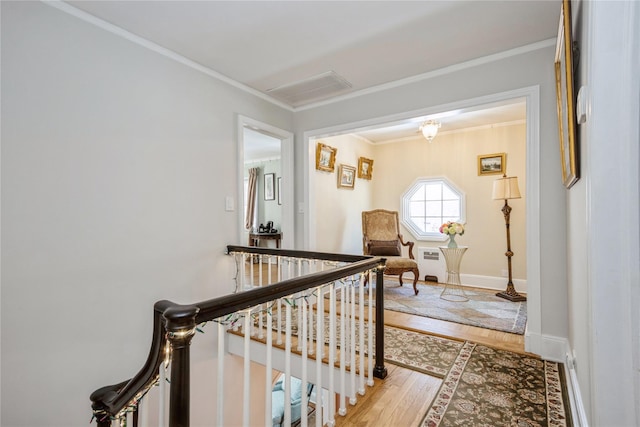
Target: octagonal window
point(429, 203)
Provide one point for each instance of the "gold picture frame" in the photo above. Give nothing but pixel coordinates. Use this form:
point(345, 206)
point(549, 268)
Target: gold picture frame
point(565, 98)
point(492, 164)
point(365, 168)
point(346, 176)
point(325, 157)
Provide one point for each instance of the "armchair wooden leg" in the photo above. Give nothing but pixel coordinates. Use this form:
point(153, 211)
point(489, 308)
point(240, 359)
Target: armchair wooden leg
point(415, 280)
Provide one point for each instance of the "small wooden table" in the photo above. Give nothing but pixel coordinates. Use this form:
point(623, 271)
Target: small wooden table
point(254, 238)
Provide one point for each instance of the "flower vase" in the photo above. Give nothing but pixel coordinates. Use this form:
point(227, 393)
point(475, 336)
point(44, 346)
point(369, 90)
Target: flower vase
point(452, 241)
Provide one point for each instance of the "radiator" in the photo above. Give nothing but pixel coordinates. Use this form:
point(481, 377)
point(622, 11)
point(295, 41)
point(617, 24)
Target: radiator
point(431, 263)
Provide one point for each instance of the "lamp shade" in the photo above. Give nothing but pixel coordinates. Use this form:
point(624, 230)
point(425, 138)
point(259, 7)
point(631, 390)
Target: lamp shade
point(506, 188)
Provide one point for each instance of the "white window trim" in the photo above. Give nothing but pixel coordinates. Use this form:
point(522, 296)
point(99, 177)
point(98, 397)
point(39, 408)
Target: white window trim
point(404, 203)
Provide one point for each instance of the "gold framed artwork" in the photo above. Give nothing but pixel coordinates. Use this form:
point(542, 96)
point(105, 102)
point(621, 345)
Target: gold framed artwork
point(492, 164)
point(325, 157)
point(565, 99)
point(346, 176)
point(365, 168)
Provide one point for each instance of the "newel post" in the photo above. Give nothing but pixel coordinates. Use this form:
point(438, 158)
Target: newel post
point(379, 370)
point(180, 324)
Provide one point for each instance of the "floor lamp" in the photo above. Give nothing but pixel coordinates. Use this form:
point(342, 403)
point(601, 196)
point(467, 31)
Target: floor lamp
point(507, 188)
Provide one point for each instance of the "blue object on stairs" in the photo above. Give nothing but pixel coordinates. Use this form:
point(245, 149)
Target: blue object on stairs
point(277, 401)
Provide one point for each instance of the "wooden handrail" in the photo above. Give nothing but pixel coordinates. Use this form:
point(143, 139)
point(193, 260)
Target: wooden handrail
point(174, 324)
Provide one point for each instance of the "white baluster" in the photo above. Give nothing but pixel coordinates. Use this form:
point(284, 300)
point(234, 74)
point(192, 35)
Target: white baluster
point(260, 308)
point(352, 342)
point(268, 418)
point(299, 324)
point(361, 332)
point(346, 293)
point(343, 321)
point(279, 334)
point(246, 396)
point(143, 411)
point(242, 272)
point(319, 351)
point(331, 404)
point(221, 387)
point(371, 338)
point(287, 366)
point(250, 273)
point(303, 338)
point(162, 394)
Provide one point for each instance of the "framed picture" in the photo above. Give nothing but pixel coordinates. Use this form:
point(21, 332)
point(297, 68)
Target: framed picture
point(279, 190)
point(492, 164)
point(346, 176)
point(325, 157)
point(269, 186)
point(365, 168)
point(565, 98)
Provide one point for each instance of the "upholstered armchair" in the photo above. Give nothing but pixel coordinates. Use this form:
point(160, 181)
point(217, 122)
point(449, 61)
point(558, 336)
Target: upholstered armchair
point(381, 237)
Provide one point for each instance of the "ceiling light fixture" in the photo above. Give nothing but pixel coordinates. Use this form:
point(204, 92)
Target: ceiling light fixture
point(430, 129)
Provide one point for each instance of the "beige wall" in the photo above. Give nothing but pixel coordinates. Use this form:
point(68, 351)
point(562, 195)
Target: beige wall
point(453, 155)
point(338, 210)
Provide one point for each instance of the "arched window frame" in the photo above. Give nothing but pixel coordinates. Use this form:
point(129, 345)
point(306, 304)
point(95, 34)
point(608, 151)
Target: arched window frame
point(415, 229)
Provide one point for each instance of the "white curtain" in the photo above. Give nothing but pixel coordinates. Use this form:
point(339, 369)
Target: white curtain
point(252, 190)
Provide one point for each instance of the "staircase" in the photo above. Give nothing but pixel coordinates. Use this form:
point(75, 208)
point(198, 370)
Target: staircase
point(310, 318)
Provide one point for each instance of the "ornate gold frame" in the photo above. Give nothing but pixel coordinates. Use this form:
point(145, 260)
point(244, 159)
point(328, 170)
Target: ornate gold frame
point(365, 168)
point(565, 98)
point(325, 157)
point(484, 170)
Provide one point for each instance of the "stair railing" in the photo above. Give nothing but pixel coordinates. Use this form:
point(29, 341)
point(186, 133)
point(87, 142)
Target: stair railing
point(174, 326)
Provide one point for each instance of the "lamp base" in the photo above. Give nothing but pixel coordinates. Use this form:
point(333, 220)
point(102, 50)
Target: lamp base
point(511, 294)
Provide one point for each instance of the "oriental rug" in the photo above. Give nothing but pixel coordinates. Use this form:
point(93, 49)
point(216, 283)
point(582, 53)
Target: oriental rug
point(490, 387)
point(429, 354)
point(484, 309)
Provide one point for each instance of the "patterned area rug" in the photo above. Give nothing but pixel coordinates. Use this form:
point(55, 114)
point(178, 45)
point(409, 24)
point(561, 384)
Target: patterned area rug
point(484, 309)
point(489, 387)
point(424, 353)
point(428, 354)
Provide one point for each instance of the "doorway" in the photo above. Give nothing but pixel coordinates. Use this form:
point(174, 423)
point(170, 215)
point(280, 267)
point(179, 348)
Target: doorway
point(268, 150)
point(530, 95)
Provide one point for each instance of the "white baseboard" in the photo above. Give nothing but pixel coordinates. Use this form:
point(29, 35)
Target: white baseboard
point(492, 282)
point(556, 349)
point(578, 413)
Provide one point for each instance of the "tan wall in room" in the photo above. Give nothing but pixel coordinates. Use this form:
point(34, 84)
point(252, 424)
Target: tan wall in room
point(453, 155)
point(338, 210)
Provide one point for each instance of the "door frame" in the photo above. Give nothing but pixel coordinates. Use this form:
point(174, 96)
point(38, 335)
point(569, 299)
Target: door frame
point(533, 334)
point(286, 170)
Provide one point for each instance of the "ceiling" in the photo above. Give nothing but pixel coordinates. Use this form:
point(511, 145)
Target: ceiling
point(314, 52)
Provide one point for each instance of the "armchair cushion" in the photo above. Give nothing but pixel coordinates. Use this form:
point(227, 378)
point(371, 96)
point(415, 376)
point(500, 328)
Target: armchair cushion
point(385, 247)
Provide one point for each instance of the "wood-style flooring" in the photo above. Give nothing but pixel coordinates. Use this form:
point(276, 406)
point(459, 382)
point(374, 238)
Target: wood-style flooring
point(404, 396)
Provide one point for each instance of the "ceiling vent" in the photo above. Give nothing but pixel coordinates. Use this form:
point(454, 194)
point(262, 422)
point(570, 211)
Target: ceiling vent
point(314, 88)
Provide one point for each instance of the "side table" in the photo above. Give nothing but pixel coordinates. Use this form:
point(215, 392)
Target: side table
point(452, 289)
point(254, 238)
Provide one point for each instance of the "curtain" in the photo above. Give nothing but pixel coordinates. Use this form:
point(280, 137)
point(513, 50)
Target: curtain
point(252, 190)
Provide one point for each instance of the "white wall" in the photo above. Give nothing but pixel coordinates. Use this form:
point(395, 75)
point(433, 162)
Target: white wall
point(604, 262)
point(115, 166)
